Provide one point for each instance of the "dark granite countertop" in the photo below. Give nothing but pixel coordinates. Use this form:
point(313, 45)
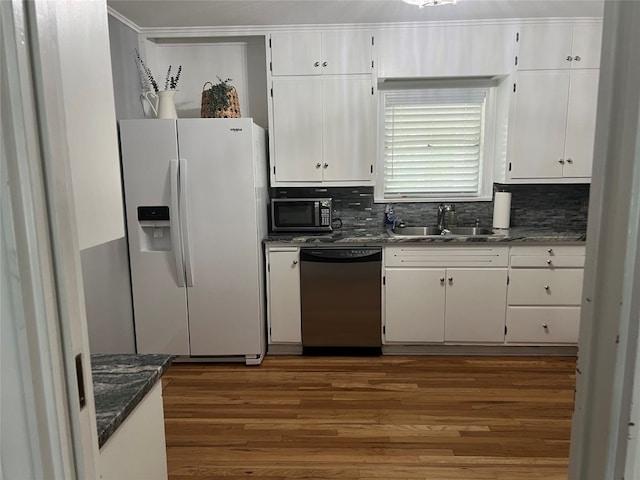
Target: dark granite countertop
point(519, 235)
point(120, 382)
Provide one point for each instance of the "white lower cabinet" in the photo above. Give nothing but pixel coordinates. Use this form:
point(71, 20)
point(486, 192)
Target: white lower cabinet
point(137, 449)
point(453, 295)
point(455, 303)
point(476, 305)
point(283, 290)
point(414, 305)
point(545, 294)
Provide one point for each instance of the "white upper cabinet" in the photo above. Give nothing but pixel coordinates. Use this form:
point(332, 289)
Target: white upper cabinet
point(446, 51)
point(321, 53)
point(297, 130)
point(553, 129)
point(322, 130)
point(559, 46)
point(581, 123)
point(539, 124)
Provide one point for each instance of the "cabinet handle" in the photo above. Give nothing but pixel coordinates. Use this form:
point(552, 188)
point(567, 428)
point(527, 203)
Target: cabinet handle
point(450, 279)
point(577, 58)
point(317, 64)
point(318, 165)
point(545, 326)
point(548, 262)
point(569, 58)
point(442, 280)
point(561, 161)
point(324, 64)
point(325, 165)
point(550, 250)
point(295, 262)
point(546, 287)
point(569, 160)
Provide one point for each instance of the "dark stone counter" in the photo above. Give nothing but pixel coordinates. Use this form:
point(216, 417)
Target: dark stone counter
point(513, 235)
point(120, 382)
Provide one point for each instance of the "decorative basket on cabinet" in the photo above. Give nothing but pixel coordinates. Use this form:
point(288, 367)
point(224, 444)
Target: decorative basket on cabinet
point(219, 100)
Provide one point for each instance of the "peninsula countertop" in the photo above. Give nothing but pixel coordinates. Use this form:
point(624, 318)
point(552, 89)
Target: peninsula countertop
point(381, 237)
point(120, 382)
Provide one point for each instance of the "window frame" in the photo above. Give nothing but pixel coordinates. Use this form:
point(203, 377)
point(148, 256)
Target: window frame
point(487, 155)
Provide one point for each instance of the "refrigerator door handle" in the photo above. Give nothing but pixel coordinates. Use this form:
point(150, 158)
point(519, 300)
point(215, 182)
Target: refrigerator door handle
point(184, 216)
point(174, 221)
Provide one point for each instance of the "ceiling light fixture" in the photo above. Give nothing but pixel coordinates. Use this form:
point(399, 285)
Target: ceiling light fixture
point(430, 3)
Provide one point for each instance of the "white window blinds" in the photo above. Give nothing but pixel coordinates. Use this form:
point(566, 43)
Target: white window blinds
point(433, 142)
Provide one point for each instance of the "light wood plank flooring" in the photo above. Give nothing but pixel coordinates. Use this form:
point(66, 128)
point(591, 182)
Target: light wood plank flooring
point(376, 418)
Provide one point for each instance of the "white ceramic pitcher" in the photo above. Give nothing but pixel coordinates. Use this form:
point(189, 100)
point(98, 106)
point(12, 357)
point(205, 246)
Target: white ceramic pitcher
point(162, 103)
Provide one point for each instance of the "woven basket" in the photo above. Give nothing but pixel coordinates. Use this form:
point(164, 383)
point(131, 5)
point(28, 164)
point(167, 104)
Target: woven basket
point(207, 110)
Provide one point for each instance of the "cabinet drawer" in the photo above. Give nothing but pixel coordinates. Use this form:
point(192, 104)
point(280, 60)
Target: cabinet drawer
point(545, 286)
point(547, 250)
point(543, 324)
point(547, 261)
point(446, 256)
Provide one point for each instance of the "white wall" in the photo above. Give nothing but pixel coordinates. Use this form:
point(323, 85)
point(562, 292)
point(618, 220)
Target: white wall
point(126, 80)
point(90, 120)
point(201, 62)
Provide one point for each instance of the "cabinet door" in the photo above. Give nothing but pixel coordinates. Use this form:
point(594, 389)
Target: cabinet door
point(284, 297)
point(545, 47)
point(587, 41)
point(298, 53)
point(297, 129)
point(346, 52)
point(446, 51)
point(414, 305)
point(475, 305)
point(348, 137)
point(538, 132)
point(581, 123)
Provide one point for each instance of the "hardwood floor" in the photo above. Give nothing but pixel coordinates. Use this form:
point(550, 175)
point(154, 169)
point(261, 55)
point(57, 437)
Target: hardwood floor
point(391, 417)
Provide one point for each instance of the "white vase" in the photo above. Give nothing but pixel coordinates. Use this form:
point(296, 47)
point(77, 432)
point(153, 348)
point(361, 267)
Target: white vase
point(162, 103)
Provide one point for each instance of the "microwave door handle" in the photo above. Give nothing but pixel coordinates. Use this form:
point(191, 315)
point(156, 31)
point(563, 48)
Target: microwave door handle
point(174, 222)
point(317, 210)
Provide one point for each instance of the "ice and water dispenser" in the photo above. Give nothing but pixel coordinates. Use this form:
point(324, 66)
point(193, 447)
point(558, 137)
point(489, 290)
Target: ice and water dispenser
point(155, 230)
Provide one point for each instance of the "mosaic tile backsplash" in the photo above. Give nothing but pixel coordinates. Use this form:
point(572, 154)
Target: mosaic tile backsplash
point(550, 206)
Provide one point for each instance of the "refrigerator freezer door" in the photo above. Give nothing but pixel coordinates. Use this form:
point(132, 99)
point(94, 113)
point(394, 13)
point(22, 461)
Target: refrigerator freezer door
point(224, 302)
point(149, 148)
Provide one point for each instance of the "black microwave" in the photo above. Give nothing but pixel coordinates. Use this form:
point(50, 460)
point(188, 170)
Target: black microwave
point(301, 214)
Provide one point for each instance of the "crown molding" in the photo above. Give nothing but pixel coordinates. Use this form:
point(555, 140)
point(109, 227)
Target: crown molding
point(191, 32)
point(118, 16)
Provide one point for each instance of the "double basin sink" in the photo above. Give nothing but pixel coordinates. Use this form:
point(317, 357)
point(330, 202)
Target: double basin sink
point(406, 231)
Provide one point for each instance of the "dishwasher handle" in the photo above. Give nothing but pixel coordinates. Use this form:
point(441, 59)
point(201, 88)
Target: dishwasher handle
point(341, 255)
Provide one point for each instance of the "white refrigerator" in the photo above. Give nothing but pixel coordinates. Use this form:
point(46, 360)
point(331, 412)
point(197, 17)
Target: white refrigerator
point(196, 205)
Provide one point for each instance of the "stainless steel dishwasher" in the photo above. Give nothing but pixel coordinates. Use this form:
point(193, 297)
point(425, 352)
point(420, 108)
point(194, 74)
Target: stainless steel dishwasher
point(341, 291)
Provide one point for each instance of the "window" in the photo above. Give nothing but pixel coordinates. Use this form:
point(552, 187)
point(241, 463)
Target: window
point(435, 144)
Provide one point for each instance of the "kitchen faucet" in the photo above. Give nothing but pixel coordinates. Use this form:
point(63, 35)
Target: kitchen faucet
point(447, 216)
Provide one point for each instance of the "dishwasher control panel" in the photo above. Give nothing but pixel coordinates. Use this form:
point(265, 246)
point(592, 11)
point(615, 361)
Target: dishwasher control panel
point(341, 254)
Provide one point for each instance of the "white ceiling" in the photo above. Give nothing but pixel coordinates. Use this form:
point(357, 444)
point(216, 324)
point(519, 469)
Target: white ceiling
point(233, 13)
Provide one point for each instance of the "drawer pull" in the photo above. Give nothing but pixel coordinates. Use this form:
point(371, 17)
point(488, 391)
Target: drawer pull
point(550, 250)
point(545, 326)
point(546, 287)
point(548, 262)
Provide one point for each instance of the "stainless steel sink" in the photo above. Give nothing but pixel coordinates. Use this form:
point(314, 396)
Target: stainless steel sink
point(416, 231)
point(436, 232)
point(470, 231)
